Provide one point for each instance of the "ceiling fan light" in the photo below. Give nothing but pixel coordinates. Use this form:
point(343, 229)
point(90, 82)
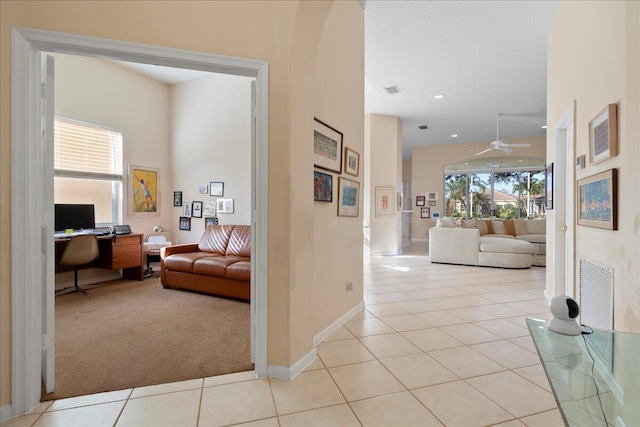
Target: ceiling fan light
point(439, 96)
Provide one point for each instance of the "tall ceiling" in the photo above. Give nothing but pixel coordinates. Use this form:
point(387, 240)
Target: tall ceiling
point(485, 57)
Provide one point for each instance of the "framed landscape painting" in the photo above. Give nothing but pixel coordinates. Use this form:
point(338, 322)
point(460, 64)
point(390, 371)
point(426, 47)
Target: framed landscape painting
point(597, 200)
point(327, 147)
point(348, 197)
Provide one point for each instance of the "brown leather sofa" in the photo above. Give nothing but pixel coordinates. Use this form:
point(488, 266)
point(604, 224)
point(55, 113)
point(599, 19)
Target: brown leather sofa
point(220, 264)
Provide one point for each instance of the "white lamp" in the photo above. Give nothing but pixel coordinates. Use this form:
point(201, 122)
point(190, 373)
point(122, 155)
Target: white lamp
point(161, 229)
point(565, 310)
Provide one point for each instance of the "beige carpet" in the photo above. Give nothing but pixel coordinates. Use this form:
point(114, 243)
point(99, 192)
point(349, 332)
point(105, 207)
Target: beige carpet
point(131, 334)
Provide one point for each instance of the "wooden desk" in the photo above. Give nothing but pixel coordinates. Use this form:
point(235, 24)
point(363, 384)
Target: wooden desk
point(122, 252)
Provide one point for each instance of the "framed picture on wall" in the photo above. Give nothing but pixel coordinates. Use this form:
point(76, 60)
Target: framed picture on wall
point(598, 201)
point(209, 209)
point(385, 206)
point(177, 198)
point(348, 197)
point(327, 147)
point(185, 223)
point(216, 189)
point(322, 187)
point(432, 195)
point(186, 209)
point(196, 210)
point(603, 134)
point(420, 200)
point(210, 221)
point(351, 162)
point(432, 203)
point(425, 212)
point(143, 195)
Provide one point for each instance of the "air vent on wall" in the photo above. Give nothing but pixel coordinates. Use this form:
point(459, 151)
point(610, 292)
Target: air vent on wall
point(423, 127)
point(392, 90)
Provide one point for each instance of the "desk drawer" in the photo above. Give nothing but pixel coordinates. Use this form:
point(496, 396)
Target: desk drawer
point(126, 256)
point(126, 241)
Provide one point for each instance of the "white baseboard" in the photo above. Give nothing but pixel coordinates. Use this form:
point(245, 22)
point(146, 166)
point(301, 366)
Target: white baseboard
point(5, 413)
point(291, 372)
point(322, 335)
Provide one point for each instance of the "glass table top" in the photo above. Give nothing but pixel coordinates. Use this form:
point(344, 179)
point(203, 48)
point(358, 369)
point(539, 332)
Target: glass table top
point(595, 378)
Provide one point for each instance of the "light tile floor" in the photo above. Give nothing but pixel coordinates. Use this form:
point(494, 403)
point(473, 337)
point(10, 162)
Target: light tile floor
point(436, 345)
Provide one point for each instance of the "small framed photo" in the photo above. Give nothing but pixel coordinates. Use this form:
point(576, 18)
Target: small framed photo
point(186, 209)
point(351, 162)
point(185, 223)
point(322, 187)
point(216, 189)
point(202, 188)
point(210, 221)
point(327, 147)
point(385, 206)
point(420, 200)
point(425, 212)
point(432, 195)
point(196, 210)
point(209, 209)
point(603, 134)
point(348, 197)
point(177, 198)
point(597, 200)
point(228, 206)
point(432, 203)
point(220, 206)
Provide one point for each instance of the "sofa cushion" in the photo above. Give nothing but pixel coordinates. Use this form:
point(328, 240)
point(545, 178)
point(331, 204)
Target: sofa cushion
point(533, 238)
point(521, 226)
point(509, 227)
point(446, 222)
point(498, 226)
point(184, 261)
point(468, 223)
point(511, 246)
point(240, 270)
point(240, 241)
point(536, 226)
point(215, 265)
point(215, 239)
point(482, 227)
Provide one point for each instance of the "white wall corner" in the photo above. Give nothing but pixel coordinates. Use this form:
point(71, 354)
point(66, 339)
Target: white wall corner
point(547, 295)
point(5, 413)
point(322, 335)
point(291, 372)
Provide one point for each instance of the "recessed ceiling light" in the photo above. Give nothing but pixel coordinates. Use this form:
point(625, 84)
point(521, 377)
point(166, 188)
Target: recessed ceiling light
point(466, 163)
point(544, 126)
point(454, 136)
point(439, 96)
point(520, 161)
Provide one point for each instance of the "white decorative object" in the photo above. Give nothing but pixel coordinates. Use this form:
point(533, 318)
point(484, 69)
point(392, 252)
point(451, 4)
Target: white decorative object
point(565, 310)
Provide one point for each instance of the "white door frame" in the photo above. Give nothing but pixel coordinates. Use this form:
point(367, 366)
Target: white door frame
point(564, 204)
point(29, 217)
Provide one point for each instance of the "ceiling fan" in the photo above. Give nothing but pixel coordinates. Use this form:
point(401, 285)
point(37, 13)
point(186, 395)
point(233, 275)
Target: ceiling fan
point(499, 144)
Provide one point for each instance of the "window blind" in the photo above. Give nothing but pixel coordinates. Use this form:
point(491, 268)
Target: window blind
point(83, 150)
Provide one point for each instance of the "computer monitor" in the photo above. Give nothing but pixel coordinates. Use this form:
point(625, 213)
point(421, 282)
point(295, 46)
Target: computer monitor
point(76, 217)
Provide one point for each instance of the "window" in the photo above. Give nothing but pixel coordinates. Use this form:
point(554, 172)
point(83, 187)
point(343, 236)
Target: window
point(87, 162)
point(501, 187)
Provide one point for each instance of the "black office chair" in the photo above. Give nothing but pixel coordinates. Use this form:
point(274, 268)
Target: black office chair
point(79, 251)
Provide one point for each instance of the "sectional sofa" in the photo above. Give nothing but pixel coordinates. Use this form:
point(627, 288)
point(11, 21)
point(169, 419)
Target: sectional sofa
point(515, 243)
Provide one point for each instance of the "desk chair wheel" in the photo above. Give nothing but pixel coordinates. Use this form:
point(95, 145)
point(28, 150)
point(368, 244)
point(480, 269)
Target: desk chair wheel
point(80, 250)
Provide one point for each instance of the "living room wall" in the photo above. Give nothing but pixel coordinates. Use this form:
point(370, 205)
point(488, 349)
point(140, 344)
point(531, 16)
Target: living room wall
point(210, 141)
point(594, 80)
point(286, 35)
point(428, 171)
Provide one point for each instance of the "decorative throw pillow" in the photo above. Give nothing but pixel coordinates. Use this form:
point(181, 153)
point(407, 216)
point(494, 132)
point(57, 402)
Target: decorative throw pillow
point(468, 223)
point(509, 227)
point(520, 226)
point(445, 222)
point(482, 226)
point(498, 226)
point(489, 226)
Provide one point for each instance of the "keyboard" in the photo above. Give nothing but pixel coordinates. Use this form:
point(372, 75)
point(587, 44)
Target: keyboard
point(94, 231)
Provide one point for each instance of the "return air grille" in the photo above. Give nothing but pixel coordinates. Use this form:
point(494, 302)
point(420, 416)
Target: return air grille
point(391, 90)
point(596, 294)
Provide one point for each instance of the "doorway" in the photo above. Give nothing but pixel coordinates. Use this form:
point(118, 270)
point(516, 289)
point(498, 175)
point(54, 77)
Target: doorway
point(32, 295)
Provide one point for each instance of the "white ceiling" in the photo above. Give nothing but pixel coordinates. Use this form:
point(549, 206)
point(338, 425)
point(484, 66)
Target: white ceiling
point(486, 57)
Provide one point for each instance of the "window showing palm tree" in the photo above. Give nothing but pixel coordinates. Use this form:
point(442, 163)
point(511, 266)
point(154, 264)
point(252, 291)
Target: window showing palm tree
point(455, 193)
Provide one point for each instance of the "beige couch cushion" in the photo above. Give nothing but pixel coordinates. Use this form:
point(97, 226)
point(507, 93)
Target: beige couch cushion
point(482, 227)
point(498, 226)
point(509, 227)
point(521, 226)
point(505, 246)
point(536, 226)
point(468, 223)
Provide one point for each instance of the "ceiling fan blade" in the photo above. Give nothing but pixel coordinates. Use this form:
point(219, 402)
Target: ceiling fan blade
point(518, 145)
point(505, 149)
point(484, 151)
